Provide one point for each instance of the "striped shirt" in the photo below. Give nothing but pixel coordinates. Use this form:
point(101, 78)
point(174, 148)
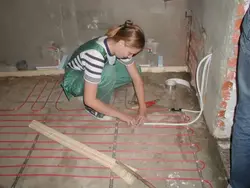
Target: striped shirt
point(92, 62)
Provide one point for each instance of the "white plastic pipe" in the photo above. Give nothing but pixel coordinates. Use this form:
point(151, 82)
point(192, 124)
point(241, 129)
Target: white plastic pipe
point(207, 60)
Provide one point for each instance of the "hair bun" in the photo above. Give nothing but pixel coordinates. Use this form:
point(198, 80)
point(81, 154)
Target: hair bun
point(128, 23)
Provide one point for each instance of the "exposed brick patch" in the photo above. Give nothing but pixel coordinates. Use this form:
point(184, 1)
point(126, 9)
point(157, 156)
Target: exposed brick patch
point(223, 104)
point(231, 75)
point(193, 55)
point(227, 85)
point(195, 50)
point(236, 37)
point(225, 94)
point(237, 24)
point(196, 42)
point(196, 53)
point(229, 78)
point(220, 123)
point(232, 62)
point(221, 114)
point(240, 10)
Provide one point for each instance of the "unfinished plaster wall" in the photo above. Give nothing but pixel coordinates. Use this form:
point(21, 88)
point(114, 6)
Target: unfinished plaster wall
point(228, 100)
point(216, 19)
point(222, 39)
point(28, 26)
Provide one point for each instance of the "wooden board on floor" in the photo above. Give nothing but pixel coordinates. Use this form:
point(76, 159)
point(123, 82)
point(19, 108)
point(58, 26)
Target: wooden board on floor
point(84, 150)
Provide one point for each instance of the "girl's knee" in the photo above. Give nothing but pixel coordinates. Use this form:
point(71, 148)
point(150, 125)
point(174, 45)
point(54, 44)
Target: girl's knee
point(73, 83)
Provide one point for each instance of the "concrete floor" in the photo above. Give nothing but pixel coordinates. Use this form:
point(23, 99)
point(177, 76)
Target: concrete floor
point(168, 156)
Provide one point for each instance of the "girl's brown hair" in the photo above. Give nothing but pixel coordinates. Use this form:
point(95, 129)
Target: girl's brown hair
point(132, 34)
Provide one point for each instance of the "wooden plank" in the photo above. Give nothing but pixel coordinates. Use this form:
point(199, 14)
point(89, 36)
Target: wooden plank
point(32, 73)
point(83, 149)
point(165, 69)
point(147, 183)
point(61, 71)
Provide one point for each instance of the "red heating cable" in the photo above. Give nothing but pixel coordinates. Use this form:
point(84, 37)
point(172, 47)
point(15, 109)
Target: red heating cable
point(79, 115)
point(39, 109)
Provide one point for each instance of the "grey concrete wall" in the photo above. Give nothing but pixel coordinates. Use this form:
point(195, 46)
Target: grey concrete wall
point(28, 26)
point(217, 19)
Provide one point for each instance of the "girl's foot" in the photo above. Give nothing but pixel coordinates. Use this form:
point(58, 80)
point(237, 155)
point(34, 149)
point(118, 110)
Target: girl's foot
point(97, 115)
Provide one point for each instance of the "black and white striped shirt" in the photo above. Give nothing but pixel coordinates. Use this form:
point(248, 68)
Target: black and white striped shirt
point(92, 62)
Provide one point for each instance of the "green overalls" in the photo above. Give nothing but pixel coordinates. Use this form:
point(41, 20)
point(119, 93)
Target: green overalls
point(113, 76)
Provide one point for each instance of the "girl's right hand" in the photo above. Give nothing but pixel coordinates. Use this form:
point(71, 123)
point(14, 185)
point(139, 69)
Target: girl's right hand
point(131, 121)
